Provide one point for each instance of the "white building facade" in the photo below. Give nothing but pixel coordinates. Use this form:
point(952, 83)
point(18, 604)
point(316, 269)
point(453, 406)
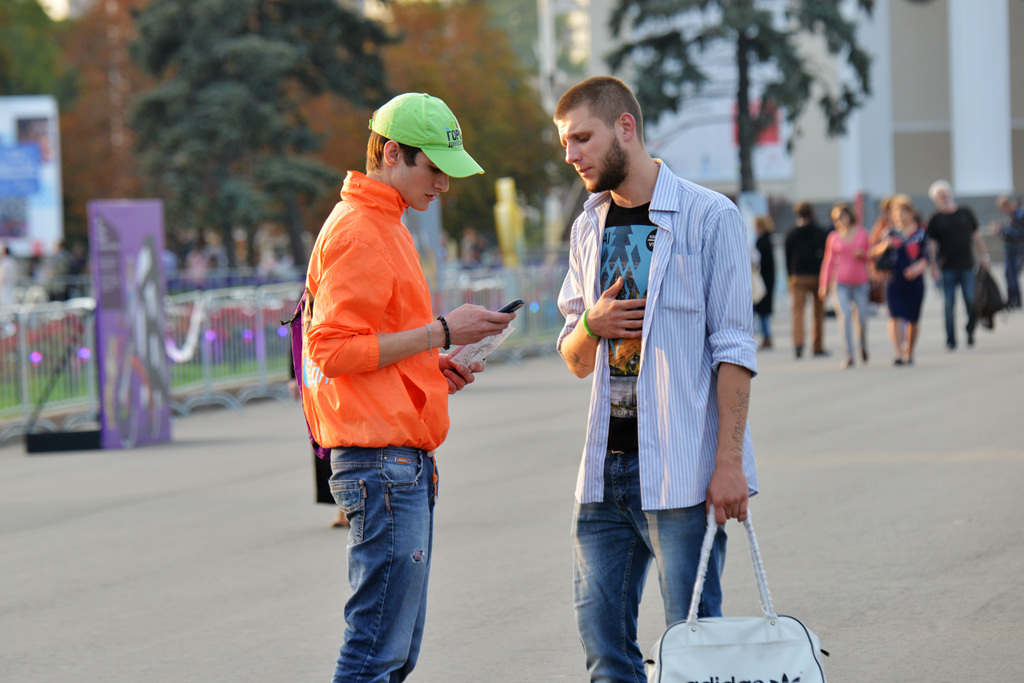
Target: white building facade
point(947, 102)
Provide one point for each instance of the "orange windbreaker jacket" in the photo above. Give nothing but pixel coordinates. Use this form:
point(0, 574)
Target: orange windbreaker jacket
point(365, 278)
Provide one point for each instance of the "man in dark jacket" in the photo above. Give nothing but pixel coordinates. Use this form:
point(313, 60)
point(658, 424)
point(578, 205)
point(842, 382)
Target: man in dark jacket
point(1012, 233)
point(805, 250)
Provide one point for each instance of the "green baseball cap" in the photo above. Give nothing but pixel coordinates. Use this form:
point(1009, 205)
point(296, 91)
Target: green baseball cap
point(419, 120)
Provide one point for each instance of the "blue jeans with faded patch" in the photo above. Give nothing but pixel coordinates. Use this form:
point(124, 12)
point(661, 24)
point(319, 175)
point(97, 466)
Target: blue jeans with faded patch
point(965, 280)
point(614, 542)
point(388, 495)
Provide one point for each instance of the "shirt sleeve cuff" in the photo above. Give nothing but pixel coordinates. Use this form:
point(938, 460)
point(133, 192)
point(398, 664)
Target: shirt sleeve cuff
point(733, 346)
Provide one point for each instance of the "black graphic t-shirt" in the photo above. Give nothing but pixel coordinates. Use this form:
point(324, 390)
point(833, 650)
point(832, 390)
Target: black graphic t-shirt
point(626, 252)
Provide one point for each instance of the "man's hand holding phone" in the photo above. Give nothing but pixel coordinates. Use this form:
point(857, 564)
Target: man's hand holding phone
point(468, 359)
point(470, 323)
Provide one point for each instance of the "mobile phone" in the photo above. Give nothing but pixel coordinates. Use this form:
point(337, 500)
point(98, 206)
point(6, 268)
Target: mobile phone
point(512, 306)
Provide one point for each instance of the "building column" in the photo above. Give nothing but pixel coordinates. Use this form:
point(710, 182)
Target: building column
point(869, 164)
point(979, 54)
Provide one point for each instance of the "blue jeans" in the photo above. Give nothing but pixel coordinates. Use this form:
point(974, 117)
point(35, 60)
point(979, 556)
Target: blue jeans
point(765, 322)
point(388, 495)
point(614, 542)
point(965, 279)
point(1014, 256)
point(849, 295)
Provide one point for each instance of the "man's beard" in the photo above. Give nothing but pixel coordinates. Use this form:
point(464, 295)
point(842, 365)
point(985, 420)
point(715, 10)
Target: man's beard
point(614, 169)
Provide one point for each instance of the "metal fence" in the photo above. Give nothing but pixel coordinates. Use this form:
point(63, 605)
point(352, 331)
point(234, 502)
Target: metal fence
point(226, 346)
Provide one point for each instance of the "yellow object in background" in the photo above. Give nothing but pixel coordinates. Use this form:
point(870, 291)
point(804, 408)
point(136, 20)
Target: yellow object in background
point(508, 222)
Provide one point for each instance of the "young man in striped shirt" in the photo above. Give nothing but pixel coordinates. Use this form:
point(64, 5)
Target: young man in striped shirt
point(658, 307)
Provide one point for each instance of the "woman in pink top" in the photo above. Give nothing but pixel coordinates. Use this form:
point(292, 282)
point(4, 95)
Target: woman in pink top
point(847, 253)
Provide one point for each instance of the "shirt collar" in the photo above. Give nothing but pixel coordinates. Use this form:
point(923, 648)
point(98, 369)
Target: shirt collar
point(662, 200)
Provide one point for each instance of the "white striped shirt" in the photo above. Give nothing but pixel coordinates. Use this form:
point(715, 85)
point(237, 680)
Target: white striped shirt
point(698, 314)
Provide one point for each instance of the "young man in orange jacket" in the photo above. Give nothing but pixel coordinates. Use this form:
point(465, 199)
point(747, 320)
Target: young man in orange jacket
point(376, 385)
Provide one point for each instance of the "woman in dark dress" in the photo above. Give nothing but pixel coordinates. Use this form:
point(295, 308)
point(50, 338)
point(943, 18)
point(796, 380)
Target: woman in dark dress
point(905, 291)
point(763, 308)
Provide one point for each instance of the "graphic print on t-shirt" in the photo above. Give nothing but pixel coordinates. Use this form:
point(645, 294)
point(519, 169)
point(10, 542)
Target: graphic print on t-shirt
point(626, 253)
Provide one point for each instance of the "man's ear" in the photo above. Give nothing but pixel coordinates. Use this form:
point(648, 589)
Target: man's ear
point(392, 153)
point(628, 125)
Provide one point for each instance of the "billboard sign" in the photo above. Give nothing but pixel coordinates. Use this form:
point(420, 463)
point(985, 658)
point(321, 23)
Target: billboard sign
point(126, 239)
point(31, 196)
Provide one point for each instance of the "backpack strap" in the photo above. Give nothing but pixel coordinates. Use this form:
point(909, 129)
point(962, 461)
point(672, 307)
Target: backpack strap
point(298, 362)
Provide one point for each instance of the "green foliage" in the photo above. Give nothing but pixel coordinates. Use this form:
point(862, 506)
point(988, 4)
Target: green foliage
point(475, 70)
point(518, 20)
point(666, 58)
point(222, 134)
point(29, 51)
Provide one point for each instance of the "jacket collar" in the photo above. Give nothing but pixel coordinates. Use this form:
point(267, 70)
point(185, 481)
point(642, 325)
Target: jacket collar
point(373, 194)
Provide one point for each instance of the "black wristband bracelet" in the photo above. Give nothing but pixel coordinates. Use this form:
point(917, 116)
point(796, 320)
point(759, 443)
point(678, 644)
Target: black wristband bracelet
point(447, 334)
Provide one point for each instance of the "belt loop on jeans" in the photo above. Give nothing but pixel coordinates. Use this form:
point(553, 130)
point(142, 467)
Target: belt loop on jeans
point(435, 478)
point(627, 455)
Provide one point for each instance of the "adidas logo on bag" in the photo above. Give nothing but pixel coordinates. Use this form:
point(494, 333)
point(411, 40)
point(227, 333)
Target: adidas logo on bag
point(716, 679)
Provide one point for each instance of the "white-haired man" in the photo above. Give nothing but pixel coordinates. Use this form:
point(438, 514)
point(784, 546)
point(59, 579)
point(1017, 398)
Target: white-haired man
point(953, 230)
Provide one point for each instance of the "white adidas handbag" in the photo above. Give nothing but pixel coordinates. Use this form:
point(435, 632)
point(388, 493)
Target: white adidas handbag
point(762, 649)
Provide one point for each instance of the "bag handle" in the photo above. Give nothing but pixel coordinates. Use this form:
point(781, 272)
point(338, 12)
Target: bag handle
point(702, 569)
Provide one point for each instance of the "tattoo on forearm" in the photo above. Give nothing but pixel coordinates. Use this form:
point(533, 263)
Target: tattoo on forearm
point(739, 411)
point(573, 359)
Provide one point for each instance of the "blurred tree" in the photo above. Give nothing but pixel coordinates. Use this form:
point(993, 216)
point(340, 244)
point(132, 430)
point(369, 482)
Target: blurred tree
point(669, 38)
point(98, 160)
point(223, 134)
point(518, 19)
point(29, 51)
point(476, 71)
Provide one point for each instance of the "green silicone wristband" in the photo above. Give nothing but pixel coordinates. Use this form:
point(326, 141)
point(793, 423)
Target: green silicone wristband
point(585, 327)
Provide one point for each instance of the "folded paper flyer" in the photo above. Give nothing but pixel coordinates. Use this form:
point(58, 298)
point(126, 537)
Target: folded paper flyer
point(476, 352)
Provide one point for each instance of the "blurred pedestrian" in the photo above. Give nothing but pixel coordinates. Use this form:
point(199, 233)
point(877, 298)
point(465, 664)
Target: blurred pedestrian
point(763, 226)
point(953, 230)
point(1012, 234)
point(78, 270)
point(805, 250)
point(845, 268)
point(905, 291)
point(53, 272)
point(8, 276)
point(472, 247)
point(879, 278)
point(197, 263)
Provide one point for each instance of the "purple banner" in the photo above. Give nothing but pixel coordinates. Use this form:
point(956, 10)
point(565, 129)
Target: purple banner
point(126, 241)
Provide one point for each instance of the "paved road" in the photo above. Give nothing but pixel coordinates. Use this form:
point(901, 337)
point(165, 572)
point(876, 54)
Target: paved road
point(889, 517)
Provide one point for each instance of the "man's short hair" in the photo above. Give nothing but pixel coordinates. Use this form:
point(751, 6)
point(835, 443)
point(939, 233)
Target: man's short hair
point(804, 210)
point(939, 186)
point(605, 97)
point(375, 152)
point(1007, 199)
